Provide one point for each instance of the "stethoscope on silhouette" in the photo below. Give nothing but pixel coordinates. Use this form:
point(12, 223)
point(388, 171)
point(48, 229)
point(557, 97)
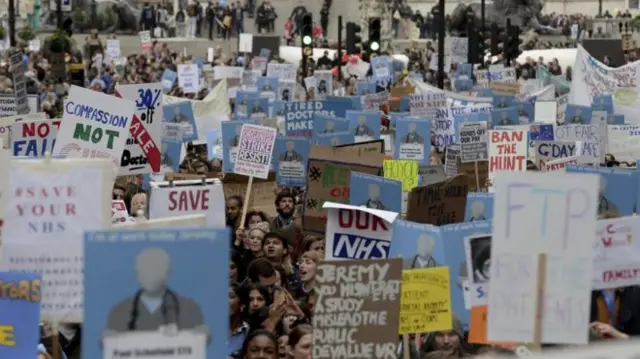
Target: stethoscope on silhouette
point(169, 296)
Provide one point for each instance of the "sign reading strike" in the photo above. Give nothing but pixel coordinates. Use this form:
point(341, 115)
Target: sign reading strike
point(358, 233)
point(34, 138)
point(94, 125)
point(141, 153)
point(254, 151)
point(298, 117)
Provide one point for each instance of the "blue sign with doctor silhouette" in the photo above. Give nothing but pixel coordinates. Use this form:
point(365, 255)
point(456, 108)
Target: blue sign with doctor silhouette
point(182, 114)
point(420, 245)
point(290, 156)
point(504, 117)
point(618, 189)
point(375, 192)
point(155, 302)
point(577, 115)
point(413, 140)
point(230, 142)
point(479, 207)
point(365, 125)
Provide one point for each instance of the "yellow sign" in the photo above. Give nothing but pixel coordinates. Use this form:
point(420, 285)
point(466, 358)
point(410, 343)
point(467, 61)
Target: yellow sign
point(425, 305)
point(405, 171)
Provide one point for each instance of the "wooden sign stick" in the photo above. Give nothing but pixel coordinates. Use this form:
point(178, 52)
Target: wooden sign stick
point(477, 177)
point(540, 284)
point(245, 205)
point(406, 352)
point(55, 345)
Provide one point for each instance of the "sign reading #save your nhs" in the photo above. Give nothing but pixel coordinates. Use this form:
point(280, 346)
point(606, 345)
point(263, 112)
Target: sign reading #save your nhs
point(299, 117)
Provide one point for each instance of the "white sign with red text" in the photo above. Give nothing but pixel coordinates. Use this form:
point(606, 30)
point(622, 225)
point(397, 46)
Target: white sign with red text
point(33, 138)
point(507, 151)
point(119, 213)
point(49, 205)
point(254, 151)
point(187, 198)
point(558, 165)
point(617, 251)
point(142, 153)
point(357, 233)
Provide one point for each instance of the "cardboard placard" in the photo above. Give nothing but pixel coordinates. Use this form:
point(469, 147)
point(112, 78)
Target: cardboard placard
point(439, 203)
point(506, 88)
point(329, 177)
point(263, 195)
point(469, 170)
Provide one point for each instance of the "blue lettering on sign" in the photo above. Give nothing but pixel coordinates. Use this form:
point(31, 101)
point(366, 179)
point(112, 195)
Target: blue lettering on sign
point(480, 293)
point(357, 247)
point(91, 113)
point(32, 148)
point(556, 151)
point(442, 113)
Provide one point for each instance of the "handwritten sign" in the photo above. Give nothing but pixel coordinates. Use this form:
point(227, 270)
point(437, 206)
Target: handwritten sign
point(34, 138)
point(545, 151)
point(254, 151)
point(558, 165)
point(617, 252)
point(369, 321)
point(439, 203)
point(507, 151)
point(188, 198)
point(590, 136)
point(536, 213)
point(405, 171)
point(425, 305)
point(474, 142)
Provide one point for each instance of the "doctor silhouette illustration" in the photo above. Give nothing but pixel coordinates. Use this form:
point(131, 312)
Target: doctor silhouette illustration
point(155, 307)
point(606, 208)
point(335, 141)
point(290, 155)
point(504, 120)
point(235, 140)
point(374, 198)
point(330, 126)
point(577, 119)
point(178, 117)
point(477, 211)
point(424, 257)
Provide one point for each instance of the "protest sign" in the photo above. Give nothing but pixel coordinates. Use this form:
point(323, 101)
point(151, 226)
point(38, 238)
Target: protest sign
point(474, 142)
point(34, 138)
point(624, 142)
point(559, 165)
point(19, 315)
point(141, 153)
point(593, 140)
point(94, 125)
point(298, 117)
point(19, 83)
point(439, 203)
point(49, 205)
point(262, 194)
point(477, 175)
point(329, 177)
point(189, 78)
point(405, 171)
point(616, 258)
point(119, 212)
point(254, 151)
point(425, 304)
point(5, 162)
point(369, 323)
point(145, 39)
point(507, 151)
point(179, 198)
point(192, 306)
point(451, 156)
point(9, 107)
point(548, 214)
point(478, 327)
point(357, 232)
point(545, 151)
point(189, 221)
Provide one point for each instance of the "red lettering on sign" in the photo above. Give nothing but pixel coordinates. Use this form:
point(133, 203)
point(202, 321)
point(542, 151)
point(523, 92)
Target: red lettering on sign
point(144, 140)
point(189, 200)
point(503, 136)
point(339, 192)
point(348, 218)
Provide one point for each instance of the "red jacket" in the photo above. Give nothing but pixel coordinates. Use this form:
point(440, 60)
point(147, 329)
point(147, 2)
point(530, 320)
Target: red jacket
point(317, 32)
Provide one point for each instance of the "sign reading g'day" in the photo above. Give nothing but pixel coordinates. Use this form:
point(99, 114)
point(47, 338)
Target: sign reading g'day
point(187, 198)
point(357, 232)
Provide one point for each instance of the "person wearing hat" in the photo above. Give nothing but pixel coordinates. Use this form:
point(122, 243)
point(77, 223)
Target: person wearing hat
point(452, 341)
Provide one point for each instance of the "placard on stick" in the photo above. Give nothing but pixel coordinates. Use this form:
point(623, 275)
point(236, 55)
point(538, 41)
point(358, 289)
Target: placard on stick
point(439, 203)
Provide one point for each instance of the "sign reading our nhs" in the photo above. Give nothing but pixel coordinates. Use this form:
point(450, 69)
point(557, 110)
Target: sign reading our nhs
point(299, 117)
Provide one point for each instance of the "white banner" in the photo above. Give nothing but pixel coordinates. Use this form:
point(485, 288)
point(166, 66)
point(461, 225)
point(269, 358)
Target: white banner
point(188, 197)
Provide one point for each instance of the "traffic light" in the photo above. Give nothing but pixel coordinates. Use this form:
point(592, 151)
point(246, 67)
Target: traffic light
point(306, 32)
point(512, 47)
point(353, 37)
point(374, 36)
point(497, 38)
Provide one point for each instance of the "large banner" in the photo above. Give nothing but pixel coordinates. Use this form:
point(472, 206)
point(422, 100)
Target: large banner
point(593, 78)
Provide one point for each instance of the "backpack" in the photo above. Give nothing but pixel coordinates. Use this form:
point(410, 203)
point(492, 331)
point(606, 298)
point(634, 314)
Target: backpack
point(148, 13)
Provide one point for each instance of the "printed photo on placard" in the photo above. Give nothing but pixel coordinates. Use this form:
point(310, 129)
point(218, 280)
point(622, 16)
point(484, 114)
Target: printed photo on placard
point(214, 144)
point(170, 155)
point(419, 245)
point(413, 141)
point(154, 297)
point(615, 186)
point(453, 237)
point(365, 125)
point(267, 87)
point(602, 103)
point(375, 192)
point(258, 108)
point(241, 104)
point(577, 115)
point(276, 108)
point(324, 80)
point(365, 86)
point(503, 101)
point(323, 124)
point(230, 142)
point(337, 138)
point(479, 207)
point(182, 113)
point(478, 258)
point(287, 92)
point(504, 117)
point(525, 112)
point(290, 156)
